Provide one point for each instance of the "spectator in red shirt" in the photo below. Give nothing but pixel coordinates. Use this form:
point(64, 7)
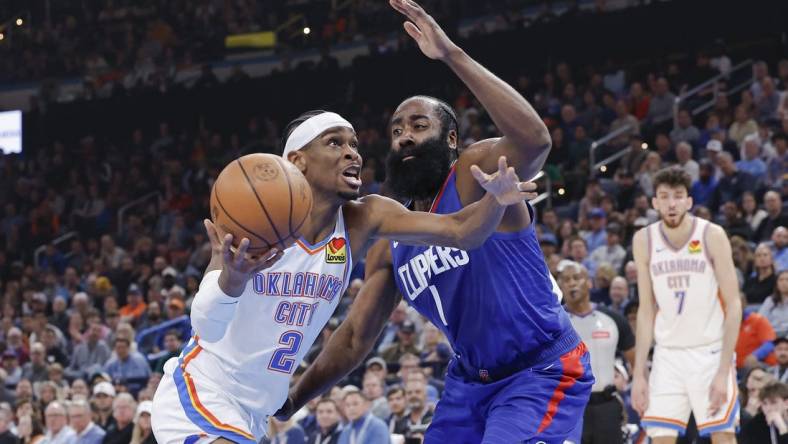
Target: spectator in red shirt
point(756, 340)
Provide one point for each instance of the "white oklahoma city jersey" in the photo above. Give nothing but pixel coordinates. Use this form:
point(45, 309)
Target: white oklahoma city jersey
point(690, 311)
point(275, 322)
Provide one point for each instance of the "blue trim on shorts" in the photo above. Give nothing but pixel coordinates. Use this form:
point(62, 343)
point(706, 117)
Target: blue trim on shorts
point(729, 424)
point(195, 416)
point(664, 425)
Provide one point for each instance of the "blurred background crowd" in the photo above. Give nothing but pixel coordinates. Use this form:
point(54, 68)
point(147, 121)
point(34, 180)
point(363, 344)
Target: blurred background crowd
point(102, 246)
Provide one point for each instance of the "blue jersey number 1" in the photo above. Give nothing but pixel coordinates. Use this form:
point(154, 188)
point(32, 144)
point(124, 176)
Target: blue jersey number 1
point(680, 295)
point(281, 361)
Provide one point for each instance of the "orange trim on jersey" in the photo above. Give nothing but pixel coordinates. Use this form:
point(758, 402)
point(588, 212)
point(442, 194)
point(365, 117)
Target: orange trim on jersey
point(666, 420)
point(308, 250)
point(727, 416)
point(195, 400)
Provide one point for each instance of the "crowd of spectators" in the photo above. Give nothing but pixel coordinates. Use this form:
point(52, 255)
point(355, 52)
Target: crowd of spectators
point(78, 363)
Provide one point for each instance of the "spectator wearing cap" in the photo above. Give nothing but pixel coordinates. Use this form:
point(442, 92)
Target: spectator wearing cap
point(374, 389)
point(363, 427)
point(175, 307)
point(597, 236)
point(135, 305)
point(56, 420)
point(377, 366)
point(36, 369)
point(605, 333)
point(756, 340)
point(406, 343)
point(103, 397)
point(780, 370)
point(612, 252)
point(12, 369)
point(123, 410)
point(127, 366)
point(775, 307)
point(80, 419)
point(771, 422)
point(142, 432)
point(397, 406)
point(775, 216)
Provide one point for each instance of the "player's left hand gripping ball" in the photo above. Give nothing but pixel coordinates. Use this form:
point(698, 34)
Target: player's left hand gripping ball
point(504, 184)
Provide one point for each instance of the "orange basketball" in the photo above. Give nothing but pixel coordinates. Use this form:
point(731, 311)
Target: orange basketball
point(261, 197)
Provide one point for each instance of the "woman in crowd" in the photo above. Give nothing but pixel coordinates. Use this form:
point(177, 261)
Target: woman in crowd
point(760, 284)
point(775, 308)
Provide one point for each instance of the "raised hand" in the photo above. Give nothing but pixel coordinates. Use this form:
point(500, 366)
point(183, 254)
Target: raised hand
point(432, 41)
point(237, 265)
point(504, 184)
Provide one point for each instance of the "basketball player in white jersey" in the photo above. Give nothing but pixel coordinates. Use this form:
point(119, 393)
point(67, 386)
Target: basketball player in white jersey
point(690, 307)
point(254, 319)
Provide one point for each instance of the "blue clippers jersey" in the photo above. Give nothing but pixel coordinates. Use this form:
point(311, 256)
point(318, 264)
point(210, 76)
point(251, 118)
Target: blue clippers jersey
point(493, 303)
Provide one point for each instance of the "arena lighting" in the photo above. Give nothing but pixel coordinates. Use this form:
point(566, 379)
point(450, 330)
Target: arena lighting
point(19, 21)
point(603, 168)
point(644, 145)
point(561, 191)
point(2, 36)
point(307, 30)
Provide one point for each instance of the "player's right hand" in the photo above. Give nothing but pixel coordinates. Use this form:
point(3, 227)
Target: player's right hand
point(237, 265)
point(640, 395)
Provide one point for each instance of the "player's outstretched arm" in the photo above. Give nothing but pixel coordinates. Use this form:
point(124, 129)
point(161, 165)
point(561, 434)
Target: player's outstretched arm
point(356, 336)
point(224, 280)
point(719, 248)
point(526, 140)
point(465, 229)
point(644, 335)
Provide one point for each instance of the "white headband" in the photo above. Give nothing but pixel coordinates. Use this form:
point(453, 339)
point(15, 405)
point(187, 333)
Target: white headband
point(311, 128)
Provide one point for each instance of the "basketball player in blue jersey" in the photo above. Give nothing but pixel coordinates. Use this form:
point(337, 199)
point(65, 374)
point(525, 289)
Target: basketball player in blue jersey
point(254, 319)
point(520, 372)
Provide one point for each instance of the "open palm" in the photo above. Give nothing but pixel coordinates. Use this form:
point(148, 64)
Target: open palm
point(504, 184)
point(432, 41)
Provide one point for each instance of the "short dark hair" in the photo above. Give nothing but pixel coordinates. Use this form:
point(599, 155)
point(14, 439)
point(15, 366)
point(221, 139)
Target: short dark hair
point(673, 177)
point(773, 390)
point(298, 121)
point(327, 401)
point(445, 113)
point(394, 390)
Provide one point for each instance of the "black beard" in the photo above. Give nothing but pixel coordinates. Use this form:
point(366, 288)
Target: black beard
point(422, 176)
point(352, 195)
